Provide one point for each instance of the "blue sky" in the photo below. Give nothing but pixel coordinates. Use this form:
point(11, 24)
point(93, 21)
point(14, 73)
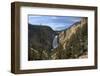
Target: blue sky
point(55, 22)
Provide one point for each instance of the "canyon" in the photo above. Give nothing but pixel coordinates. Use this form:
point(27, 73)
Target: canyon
point(46, 44)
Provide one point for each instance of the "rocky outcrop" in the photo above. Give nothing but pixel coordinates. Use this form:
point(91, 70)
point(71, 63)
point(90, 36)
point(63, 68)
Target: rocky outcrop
point(40, 38)
point(73, 42)
point(74, 39)
point(65, 35)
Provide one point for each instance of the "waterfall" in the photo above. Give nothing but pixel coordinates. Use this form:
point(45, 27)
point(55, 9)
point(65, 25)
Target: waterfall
point(55, 42)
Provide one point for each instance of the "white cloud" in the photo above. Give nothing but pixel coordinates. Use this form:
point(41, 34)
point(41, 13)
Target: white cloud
point(54, 17)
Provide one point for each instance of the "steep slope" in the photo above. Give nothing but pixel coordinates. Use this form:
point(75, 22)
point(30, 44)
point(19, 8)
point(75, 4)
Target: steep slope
point(40, 39)
point(73, 41)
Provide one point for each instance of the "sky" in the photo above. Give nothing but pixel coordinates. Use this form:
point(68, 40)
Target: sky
point(57, 23)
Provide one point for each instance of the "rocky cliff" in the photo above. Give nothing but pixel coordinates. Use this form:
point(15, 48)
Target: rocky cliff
point(73, 41)
point(40, 39)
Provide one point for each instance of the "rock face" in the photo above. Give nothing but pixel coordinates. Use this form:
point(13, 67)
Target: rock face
point(40, 40)
point(79, 28)
point(73, 42)
point(40, 36)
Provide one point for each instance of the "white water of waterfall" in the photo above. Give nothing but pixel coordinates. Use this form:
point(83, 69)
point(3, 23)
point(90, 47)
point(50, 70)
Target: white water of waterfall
point(55, 42)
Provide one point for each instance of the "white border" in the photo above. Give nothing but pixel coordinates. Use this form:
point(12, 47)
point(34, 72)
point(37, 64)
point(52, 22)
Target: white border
point(25, 64)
